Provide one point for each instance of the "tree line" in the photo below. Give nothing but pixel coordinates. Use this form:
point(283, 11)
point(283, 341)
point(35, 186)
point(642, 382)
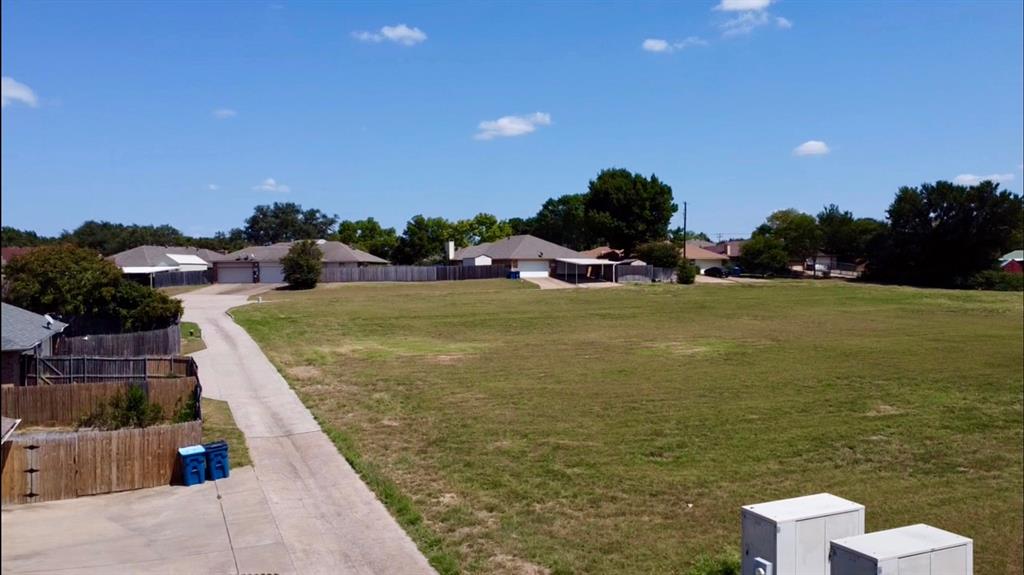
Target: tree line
point(935, 235)
point(940, 234)
point(620, 208)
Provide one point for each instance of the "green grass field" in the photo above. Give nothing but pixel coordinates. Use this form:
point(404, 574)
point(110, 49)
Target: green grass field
point(620, 430)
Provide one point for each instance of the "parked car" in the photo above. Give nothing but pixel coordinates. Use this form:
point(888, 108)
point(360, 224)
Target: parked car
point(715, 272)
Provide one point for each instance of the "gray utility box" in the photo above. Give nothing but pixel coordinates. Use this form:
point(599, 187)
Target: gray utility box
point(791, 536)
point(912, 550)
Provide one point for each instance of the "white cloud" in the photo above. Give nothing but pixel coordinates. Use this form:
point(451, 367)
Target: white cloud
point(14, 91)
point(811, 148)
point(655, 45)
point(752, 14)
point(510, 126)
point(744, 23)
point(224, 113)
point(971, 179)
point(212, 187)
point(742, 5)
point(400, 34)
point(664, 46)
point(271, 185)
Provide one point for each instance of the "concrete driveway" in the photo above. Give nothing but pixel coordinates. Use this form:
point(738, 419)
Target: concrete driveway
point(328, 520)
point(213, 528)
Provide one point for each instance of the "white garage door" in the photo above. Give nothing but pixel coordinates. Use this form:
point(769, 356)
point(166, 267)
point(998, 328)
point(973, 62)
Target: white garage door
point(271, 274)
point(533, 268)
point(234, 274)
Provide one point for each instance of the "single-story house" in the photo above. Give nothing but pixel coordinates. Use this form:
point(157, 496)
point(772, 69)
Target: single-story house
point(24, 333)
point(1012, 262)
point(529, 255)
point(157, 259)
point(729, 248)
point(703, 258)
point(262, 264)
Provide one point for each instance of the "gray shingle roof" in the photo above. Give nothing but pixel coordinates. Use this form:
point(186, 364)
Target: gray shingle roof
point(23, 329)
point(151, 256)
point(334, 252)
point(525, 247)
point(472, 251)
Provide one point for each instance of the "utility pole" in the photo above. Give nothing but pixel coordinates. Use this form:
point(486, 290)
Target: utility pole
point(684, 232)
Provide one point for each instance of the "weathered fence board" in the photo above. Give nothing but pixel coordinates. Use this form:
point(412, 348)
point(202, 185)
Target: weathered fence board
point(49, 370)
point(412, 273)
point(165, 341)
point(60, 465)
point(67, 405)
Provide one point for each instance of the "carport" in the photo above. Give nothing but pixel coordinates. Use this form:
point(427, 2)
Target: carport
point(585, 270)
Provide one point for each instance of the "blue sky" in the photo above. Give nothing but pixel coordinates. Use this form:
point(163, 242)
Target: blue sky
point(193, 113)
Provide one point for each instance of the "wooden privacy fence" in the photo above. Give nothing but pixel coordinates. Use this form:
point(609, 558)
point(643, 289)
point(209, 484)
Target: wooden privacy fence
point(48, 370)
point(165, 341)
point(61, 465)
point(67, 405)
point(413, 273)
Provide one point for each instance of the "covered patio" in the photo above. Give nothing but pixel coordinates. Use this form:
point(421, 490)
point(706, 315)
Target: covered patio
point(584, 270)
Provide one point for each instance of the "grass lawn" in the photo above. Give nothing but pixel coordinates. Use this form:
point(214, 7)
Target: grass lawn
point(620, 430)
point(218, 423)
point(178, 290)
point(191, 338)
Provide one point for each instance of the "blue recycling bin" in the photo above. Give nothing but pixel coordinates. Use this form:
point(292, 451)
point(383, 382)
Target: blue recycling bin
point(193, 464)
point(217, 464)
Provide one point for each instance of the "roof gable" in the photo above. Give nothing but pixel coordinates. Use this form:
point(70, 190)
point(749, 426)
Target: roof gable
point(527, 247)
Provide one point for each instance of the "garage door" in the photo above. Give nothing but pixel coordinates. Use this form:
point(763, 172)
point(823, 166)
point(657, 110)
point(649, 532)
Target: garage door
point(234, 274)
point(271, 274)
point(533, 269)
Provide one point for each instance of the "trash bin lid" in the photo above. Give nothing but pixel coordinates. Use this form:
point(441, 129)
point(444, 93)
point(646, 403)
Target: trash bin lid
point(191, 450)
point(215, 445)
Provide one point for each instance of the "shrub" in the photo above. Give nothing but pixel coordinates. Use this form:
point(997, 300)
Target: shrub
point(302, 265)
point(996, 280)
point(686, 273)
point(125, 409)
point(659, 254)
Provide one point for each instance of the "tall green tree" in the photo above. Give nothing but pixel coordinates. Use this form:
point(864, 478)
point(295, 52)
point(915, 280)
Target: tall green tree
point(368, 235)
point(660, 254)
point(798, 232)
point(285, 222)
point(563, 220)
point(678, 237)
point(13, 237)
point(628, 209)
point(479, 229)
point(943, 234)
point(110, 238)
point(844, 236)
point(764, 254)
point(423, 241)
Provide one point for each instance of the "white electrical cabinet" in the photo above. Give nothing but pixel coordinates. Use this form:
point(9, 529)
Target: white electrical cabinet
point(791, 536)
point(912, 550)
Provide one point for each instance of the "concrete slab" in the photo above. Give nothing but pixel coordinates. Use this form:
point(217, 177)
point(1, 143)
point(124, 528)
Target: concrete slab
point(170, 529)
